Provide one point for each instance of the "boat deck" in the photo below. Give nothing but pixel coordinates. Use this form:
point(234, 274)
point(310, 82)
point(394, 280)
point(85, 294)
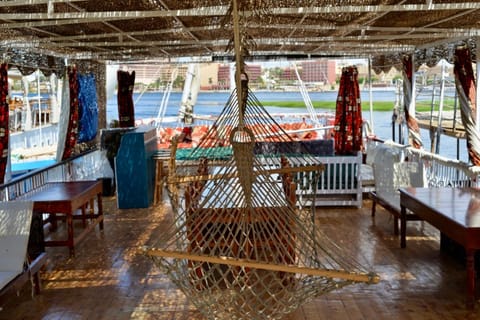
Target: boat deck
point(449, 127)
point(109, 279)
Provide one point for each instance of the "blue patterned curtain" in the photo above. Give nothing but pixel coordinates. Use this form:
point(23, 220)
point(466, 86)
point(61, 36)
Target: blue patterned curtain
point(88, 107)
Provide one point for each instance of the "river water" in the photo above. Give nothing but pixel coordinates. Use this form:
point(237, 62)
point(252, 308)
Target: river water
point(212, 103)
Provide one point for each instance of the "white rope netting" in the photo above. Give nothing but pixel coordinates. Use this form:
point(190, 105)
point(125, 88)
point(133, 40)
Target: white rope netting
point(243, 243)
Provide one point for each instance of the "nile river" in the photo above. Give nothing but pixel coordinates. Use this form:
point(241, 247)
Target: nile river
point(212, 103)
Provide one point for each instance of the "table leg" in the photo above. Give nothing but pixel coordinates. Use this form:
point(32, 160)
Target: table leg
point(100, 210)
point(403, 227)
point(52, 217)
point(395, 225)
point(84, 221)
point(70, 242)
point(470, 255)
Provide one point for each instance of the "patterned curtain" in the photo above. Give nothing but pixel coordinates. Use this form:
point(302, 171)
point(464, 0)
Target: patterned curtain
point(348, 116)
point(413, 129)
point(72, 129)
point(126, 114)
point(88, 107)
point(4, 123)
point(465, 85)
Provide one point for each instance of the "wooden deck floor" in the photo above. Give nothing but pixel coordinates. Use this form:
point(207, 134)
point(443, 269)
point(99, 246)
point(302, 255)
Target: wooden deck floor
point(109, 279)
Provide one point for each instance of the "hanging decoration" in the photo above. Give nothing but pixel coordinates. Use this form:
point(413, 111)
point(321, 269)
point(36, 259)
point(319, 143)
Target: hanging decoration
point(466, 89)
point(4, 122)
point(126, 112)
point(72, 129)
point(243, 243)
point(348, 115)
point(413, 129)
point(88, 107)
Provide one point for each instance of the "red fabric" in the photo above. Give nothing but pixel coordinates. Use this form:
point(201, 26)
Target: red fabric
point(464, 72)
point(126, 113)
point(465, 77)
point(72, 129)
point(4, 130)
point(348, 116)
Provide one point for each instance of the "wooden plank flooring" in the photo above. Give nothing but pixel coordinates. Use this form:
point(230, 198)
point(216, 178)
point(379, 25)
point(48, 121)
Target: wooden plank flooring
point(109, 279)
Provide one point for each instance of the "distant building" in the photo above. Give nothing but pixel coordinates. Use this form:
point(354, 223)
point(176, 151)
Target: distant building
point(319, 71)
point(254, 72)
point(288, 74)
point(148, 73)
point(223, 78)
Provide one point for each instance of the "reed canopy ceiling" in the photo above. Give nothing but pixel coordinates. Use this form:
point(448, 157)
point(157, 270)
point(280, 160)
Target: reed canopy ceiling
point(140, 30)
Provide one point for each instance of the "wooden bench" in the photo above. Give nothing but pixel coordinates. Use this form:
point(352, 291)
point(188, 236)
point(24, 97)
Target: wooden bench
point(339, 184)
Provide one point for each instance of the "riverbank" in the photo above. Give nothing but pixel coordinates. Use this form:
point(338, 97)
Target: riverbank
point(331, 105)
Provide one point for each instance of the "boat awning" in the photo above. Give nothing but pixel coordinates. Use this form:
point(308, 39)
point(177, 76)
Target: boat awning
point(125, 30)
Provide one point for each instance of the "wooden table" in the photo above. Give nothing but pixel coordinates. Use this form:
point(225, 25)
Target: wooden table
point(66, 198)
point(455, 212)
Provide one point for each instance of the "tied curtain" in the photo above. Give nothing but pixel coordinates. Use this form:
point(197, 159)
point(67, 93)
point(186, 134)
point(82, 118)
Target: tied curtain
point(72, 127)
point(79, 119)
point(348, 115)
point(126, 82)
point(4, 122)
point(413, 129)
point(465, 85)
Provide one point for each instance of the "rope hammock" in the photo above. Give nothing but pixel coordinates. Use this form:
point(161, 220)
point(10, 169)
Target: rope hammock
point(243, 242)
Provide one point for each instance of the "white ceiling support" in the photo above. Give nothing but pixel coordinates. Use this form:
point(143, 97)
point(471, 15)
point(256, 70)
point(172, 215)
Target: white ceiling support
point(458, 32)
point(222, 10)
point(132, 33)
point(17, 3)
point(377, 8)
point(345, 41)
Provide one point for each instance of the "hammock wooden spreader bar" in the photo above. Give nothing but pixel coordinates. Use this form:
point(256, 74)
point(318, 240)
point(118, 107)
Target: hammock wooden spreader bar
point(336, 274)
point(185, 179)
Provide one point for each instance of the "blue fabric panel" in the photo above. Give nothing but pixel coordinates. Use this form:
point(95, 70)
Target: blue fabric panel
point(88, 107)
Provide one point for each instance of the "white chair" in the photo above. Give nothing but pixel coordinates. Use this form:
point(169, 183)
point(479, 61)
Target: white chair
point(391, 173)
point(15, 269)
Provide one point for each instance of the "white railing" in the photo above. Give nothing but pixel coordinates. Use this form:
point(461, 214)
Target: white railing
point(440, 171)
point(87, 166)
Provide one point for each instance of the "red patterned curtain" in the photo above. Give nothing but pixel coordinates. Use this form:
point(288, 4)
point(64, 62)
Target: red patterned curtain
point(348, 116)
point(465, 85)
point(4, 130)
point(126, 82)
point(413, 129)
point(72, 129)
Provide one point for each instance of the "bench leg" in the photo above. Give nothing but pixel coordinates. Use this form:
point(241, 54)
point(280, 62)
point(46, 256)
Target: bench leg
point(374, 205)
point(100, 210)
point(395, 225)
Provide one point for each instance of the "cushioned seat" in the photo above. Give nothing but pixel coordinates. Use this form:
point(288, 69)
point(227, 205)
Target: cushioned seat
point(15, 269)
